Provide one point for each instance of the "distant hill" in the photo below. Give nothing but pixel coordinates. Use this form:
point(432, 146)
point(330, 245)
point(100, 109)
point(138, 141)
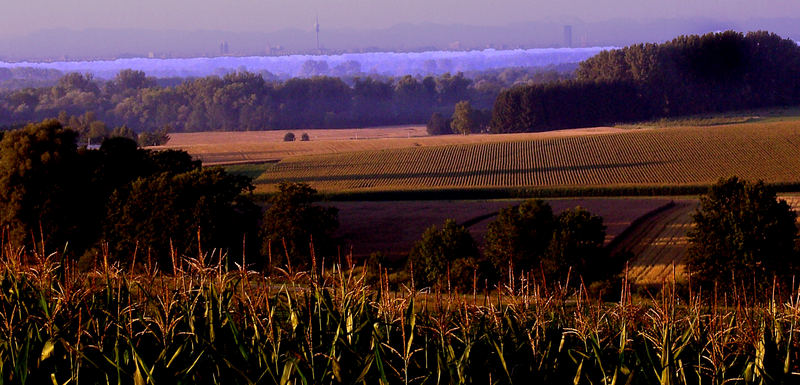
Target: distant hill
point(60, 44)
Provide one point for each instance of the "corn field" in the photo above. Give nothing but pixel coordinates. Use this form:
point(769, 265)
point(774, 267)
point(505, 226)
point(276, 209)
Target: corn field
point(205, 324)
point(666, 156)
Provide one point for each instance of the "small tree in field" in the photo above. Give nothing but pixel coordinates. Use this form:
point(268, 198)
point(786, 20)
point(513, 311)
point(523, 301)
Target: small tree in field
point(289, 137)
point(742, 231)
point(438, 125)
point(450, 246)
point(463, 121)
point(305, 137)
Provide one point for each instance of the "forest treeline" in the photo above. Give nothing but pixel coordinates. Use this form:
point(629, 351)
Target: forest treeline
point(694, 74)
point(248, 101)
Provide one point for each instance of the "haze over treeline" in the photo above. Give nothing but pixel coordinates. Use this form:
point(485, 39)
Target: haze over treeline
point(59, 43)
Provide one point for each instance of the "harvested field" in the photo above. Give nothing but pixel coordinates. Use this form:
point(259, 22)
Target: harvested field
point(657, 157)
point(657, 243)
point(392, 227)
point(660, 240)
point(219, 148)
point(239, 137)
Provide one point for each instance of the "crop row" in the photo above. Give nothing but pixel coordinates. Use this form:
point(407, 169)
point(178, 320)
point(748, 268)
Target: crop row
point(676, 156)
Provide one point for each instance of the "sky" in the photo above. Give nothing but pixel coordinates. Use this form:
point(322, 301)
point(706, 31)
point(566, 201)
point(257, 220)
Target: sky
point(26, 16)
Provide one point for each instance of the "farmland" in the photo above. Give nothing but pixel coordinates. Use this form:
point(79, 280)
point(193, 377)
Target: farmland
point(675, 156)
point(658, 243)
point(225, 148)
point(392, 227)
point(205, 323)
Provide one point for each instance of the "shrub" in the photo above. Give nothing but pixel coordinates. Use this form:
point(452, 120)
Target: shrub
point(305, 137)
point(289, 137)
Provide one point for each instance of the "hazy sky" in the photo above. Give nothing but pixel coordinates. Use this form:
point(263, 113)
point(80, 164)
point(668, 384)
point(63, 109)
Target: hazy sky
point(20, 17)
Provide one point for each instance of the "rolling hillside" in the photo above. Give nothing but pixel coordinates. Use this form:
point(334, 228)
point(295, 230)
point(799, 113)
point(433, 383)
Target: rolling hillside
point(672, 156)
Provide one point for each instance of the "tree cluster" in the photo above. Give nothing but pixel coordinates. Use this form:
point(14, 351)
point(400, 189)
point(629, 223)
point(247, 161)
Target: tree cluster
point(524, 238)
point(688, 75)
point(131, 201)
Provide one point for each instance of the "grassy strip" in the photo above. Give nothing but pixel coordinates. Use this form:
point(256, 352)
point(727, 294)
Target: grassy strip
point(480, 193)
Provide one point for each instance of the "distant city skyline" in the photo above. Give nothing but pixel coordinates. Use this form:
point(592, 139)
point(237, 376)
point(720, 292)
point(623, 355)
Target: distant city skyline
point(24, 17)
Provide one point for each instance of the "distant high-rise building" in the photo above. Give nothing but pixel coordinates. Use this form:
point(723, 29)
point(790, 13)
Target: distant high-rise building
point(223, 48)
point(567, 36)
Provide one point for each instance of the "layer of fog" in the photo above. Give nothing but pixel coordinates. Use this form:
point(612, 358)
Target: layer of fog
point(384, 63)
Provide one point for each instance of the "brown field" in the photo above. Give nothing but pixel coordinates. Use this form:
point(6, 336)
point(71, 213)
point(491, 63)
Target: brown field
point(239, 137)
point(658, 243)
point(392, 227)
point(666, 156)
point(221, 148)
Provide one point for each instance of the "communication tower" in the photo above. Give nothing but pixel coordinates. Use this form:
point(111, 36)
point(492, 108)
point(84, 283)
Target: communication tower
point(316, 27)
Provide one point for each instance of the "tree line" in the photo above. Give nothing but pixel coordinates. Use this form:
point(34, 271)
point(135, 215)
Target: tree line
point(693, 74)
point(242, 101)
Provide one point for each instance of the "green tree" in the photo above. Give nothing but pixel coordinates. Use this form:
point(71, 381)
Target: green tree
point(41, 186)
point(438, 249)
point(742, 231)
point(123, 132)
point(293, 219)
point(154, 138)
point(97, 132)
point(438, 125)
point(578, 244)
point(167, 211)
point(463, 120)
point(520, 236)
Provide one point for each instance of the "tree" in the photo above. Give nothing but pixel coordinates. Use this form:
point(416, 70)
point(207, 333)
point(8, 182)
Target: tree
point(741, 230)
point(97, 132)
point(305, 137)
point(289, 137)
point(167, 211)
point(577, 244)
point(463, 121)
point(41, 186)
point(155, 138)
point(439, 249)
point(438, 125)
point(123, 132)
point(520, 236)
point(293, 220)
point(529, 237)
